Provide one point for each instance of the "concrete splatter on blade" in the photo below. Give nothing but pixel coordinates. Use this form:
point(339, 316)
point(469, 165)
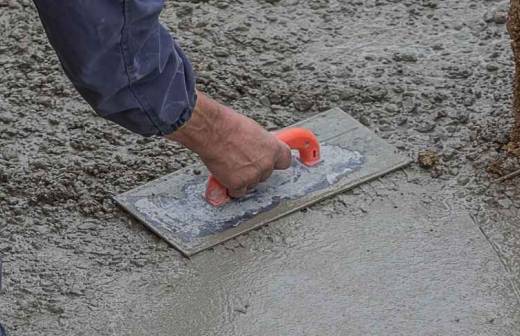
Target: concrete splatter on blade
point(191, 217)
point(174, 208)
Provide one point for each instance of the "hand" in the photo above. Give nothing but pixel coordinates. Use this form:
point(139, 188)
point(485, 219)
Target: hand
point(236, 150)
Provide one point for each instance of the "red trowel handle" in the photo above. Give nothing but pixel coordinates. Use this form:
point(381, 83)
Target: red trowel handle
point(296, 138)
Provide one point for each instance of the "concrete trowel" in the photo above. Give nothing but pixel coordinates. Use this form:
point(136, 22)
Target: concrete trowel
point(192, 211)
point(300, 139)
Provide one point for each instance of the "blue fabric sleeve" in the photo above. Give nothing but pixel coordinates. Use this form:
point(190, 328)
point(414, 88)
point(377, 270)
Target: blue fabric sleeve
point(122, 61)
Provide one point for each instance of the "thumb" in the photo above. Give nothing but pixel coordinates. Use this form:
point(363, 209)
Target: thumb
point(284, 157)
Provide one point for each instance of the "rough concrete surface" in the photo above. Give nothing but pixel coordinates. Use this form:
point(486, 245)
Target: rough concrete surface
point(513, 27)
point(423, 75)
point(411, 263)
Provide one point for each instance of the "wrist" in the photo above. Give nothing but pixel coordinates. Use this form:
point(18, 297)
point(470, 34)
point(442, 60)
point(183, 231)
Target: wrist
point(205, 126)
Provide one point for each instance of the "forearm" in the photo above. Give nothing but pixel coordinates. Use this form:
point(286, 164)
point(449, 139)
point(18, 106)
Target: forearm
point(122, 61)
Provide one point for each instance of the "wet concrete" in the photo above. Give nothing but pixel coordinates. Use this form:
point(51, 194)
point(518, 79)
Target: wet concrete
point(410, 263)
point(421, 74)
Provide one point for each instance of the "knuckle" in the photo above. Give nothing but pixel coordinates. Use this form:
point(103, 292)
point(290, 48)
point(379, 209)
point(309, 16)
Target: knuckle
point(237, 193)
point(267, 163)
point(266, 175)
point(236, 183)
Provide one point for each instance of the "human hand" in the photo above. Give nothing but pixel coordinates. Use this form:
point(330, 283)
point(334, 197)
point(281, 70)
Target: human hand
point(236, 150)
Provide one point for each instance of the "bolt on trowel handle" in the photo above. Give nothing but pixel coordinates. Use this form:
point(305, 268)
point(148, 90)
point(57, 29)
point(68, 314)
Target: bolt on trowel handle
point(301, 139)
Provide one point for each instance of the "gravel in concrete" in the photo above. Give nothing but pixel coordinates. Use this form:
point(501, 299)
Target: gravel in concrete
point(425, 75)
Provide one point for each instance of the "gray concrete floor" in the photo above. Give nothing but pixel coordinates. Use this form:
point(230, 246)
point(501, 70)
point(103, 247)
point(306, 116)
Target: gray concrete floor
point(421, 74)
point(404, 260)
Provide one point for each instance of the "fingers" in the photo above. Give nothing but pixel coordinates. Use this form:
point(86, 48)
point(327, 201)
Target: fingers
point(237, 193)
point(267, 174)
point(246, 185)
point(242, 191)
point(241, 186)
point(284, 159)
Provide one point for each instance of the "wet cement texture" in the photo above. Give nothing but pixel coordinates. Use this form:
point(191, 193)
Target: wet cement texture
point(421, 74)
point(411, 263)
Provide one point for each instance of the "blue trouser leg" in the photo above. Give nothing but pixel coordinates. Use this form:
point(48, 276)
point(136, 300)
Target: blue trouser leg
point(122, 61)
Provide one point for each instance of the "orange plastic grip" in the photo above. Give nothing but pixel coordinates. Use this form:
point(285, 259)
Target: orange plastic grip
point(300, 139)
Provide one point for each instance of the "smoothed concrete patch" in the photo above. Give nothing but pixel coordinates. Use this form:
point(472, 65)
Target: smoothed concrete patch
point(408, 263)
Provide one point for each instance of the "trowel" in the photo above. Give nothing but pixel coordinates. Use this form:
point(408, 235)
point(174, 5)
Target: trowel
point(192, 211)
point(300, 139)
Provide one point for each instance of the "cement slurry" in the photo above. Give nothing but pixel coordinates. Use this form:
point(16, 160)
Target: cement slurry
point(421, 74)
point(409, 263)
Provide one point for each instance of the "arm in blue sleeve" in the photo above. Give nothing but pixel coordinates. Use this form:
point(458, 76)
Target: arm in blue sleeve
point(122, 61)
